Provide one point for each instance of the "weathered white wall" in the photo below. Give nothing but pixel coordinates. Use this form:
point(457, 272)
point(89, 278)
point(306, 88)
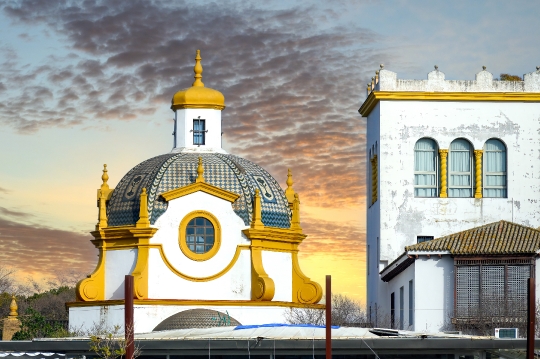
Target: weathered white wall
point(386, 289)
point(373, 218)
point(147, 317)
point(164, 283)
point(398, 217)
point(184, 125)
point(118, 264)
point(404, 217)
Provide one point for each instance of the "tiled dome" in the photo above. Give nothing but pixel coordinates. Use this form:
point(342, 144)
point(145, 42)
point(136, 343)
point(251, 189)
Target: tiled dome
point(196, 318)
point(173, 170)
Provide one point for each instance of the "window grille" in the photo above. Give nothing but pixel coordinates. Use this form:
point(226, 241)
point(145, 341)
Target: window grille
point(460, 169)
point(426, 165)
point(494, 164)
point(420, 239)
point(199, 132)
point(487, 289)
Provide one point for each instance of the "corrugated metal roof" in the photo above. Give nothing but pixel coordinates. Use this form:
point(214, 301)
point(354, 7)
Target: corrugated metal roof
point(495, 238)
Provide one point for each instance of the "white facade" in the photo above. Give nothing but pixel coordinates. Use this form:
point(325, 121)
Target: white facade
point(184, 127)
point(443, 111)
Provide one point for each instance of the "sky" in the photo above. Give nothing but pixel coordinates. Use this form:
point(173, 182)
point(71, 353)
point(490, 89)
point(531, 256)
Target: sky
point(83, 83)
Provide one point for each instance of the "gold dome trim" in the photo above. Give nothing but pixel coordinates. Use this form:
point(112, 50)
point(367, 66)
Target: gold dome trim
point(198, 96)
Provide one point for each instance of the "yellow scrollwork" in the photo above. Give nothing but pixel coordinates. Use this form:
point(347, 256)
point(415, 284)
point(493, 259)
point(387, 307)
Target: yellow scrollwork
point(262, 286)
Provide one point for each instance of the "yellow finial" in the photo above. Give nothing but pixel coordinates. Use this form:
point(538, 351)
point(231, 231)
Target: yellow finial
point(198, 71)
point(105, 177)
point(289, 192)
point(143, 221)
point(295, 220)
point(103, 193)
point(13, 307)
point(200, 172)
point(256, 221)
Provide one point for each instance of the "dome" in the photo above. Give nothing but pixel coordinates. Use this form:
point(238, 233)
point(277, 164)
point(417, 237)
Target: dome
point(197, 318)
point(173, 170)
point(198, 96)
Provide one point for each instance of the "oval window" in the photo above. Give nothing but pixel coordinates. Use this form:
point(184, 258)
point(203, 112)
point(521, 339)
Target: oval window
point(200, 235)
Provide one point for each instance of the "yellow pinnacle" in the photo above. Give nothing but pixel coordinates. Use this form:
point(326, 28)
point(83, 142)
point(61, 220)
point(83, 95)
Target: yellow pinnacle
point(13, 307)
point(143, 221)
point(105, 178)
point(256, 220)
point(198, 71)
point(200, 172)
point(289, 192)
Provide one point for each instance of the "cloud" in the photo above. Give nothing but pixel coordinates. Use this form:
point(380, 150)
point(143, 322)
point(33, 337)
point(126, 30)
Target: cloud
point(4, 190)
point(44, 251)
point(16, 214)
point(292, 91)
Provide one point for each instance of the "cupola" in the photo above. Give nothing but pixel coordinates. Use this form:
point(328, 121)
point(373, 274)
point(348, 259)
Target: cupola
point(198, 96)
point(197, 120)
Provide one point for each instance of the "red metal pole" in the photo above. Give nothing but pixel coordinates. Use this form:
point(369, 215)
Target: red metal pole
point(531, 316)
point(328, 317)
point(128, 317)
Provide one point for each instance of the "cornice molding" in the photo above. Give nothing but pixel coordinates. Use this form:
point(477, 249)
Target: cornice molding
point(247, 303)
point(200, 186)
point(375, 96)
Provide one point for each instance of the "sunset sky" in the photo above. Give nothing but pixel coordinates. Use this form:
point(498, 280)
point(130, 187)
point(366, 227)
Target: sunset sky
point(83, 83)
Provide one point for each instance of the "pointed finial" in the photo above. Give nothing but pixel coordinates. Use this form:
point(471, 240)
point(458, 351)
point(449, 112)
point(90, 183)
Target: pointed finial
point(105, 177)
point(436, 68)
point(198, 71)
point(484, 68)
point(295, 220)
point(256, 221)
point(143, 221)
point(13, 307)
point(200, 172)
point(289, 192)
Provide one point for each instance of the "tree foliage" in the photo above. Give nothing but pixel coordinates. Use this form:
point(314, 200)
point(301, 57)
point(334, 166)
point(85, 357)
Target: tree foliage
point(508, 77)
point(345, 311)
point(35, 325)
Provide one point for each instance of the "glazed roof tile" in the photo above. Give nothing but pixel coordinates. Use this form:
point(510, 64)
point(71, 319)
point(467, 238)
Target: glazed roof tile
point(495, 238)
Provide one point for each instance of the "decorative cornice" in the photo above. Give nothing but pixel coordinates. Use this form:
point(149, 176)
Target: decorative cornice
point(203, 187)
point(375, 96)
point(275, 239)
point(208, 303)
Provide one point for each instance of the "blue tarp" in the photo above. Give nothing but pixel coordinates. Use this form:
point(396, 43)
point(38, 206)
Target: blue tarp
point(282, 325)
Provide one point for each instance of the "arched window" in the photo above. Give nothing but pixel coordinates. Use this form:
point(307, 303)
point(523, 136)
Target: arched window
point(494, 181)
point(460, 169)
point(425, 168)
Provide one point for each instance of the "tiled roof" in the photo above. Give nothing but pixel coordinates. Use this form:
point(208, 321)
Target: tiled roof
point(174, 170)
point(495, 238)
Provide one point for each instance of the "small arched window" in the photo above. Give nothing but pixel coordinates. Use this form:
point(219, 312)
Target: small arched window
point(425, 168)
point(494, 181)
point(460, 169)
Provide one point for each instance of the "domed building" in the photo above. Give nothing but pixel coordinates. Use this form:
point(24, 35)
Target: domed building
point(202, 231)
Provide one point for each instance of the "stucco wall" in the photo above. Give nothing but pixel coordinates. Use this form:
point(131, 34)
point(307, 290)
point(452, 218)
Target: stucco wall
point(403, 217)
point(164, 283)
point(118, 264)
point(184, 127)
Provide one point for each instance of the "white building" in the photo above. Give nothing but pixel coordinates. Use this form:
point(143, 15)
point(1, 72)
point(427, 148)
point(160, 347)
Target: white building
point(446, 156)
point(200, 230)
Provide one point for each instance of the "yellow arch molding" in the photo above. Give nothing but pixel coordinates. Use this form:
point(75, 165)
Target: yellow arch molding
point(239, 248)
